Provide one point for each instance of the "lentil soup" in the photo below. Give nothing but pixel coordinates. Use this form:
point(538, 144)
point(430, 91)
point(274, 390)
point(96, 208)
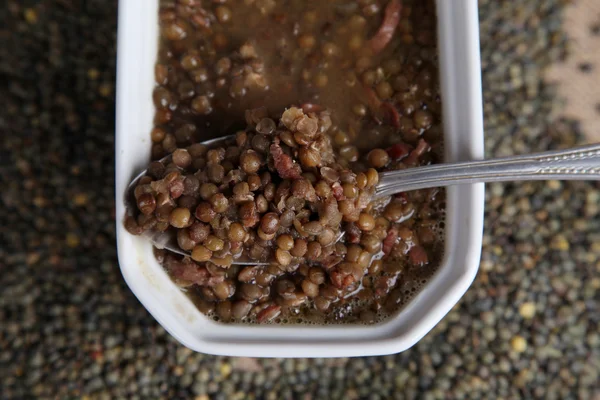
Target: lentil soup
point(321, 97)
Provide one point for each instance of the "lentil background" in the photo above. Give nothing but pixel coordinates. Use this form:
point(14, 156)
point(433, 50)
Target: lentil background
point(69, 327)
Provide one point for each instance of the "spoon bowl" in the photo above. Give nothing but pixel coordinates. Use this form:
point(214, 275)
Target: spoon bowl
point(167, 240)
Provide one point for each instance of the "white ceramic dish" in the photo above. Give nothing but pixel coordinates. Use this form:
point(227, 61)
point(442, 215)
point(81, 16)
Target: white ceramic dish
point(461, 88)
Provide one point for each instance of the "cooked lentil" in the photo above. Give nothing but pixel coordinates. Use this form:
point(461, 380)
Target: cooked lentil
point(362, 77)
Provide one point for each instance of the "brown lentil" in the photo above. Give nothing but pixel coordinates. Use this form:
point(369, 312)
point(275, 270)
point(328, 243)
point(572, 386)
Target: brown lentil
point(300, 248)
point(223, 14)
point(306, 41)
point(366, 222)
point(208, 190)
point(313, 250)
point(205, 212)
point(285, 242)
point(250, 162)
point(201, 105)
point(378, 158)
point(201, 253)
point(283, 257)
point(219, 202)
point(180, 217)
point(269, 223)
point(158, 135)
point(199, 232)
point(224, 310)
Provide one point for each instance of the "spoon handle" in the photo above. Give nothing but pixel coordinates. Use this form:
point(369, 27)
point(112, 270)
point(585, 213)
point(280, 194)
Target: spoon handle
point(579, 163)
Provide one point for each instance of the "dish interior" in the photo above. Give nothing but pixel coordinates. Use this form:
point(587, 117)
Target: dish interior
point(138, 41)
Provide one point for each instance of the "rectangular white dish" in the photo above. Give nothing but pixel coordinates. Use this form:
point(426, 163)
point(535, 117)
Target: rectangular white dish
point(458, 34)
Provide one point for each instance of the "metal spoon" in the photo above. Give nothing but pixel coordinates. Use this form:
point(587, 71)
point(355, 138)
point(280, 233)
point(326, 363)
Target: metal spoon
point(579, 163)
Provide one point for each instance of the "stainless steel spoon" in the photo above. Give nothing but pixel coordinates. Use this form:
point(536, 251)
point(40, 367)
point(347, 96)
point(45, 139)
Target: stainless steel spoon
point(578, 163)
